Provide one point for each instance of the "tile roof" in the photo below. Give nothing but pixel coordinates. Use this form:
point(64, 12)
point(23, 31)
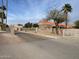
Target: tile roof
point(46, 22)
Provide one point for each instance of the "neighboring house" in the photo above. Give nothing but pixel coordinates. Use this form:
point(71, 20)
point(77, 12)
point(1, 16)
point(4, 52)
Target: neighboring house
point(45, 24)
point(49, 24)
point(18, 27)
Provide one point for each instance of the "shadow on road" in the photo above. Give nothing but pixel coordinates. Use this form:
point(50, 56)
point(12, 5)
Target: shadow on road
point(30, 37)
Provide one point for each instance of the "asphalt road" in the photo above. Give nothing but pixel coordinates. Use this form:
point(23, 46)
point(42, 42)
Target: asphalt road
point(29, 46)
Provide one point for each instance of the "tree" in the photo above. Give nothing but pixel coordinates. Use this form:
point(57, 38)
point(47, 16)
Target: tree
point(3, 7)
point(2, 14)
point(77, 24)
point(28, 25)
point(66, 8)
point(35, 25)
point(57, 16)
point(20, 24)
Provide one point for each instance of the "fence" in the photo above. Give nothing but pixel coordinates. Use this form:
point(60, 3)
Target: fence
point(71, 32)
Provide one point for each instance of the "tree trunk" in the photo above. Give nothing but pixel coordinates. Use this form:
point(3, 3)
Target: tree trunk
point(66, 17)
point(57, 28)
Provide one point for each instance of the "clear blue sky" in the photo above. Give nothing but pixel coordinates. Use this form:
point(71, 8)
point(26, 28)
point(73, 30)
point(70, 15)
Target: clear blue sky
point(22, 11)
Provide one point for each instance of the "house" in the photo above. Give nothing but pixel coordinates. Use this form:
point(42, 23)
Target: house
point(18, 27)
point(48, 24)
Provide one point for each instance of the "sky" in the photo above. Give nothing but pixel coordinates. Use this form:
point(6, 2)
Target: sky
point(22, 11)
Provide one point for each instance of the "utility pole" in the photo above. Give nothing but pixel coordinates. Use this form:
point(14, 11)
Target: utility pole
point(2, 14)
point(6, 10)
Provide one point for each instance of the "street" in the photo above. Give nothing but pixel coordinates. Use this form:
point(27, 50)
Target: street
point(29, 46)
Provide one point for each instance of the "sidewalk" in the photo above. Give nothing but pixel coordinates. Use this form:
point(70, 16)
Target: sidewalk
point(8, 38)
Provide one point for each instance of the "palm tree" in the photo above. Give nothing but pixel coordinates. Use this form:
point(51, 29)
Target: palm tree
point(66, 8)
